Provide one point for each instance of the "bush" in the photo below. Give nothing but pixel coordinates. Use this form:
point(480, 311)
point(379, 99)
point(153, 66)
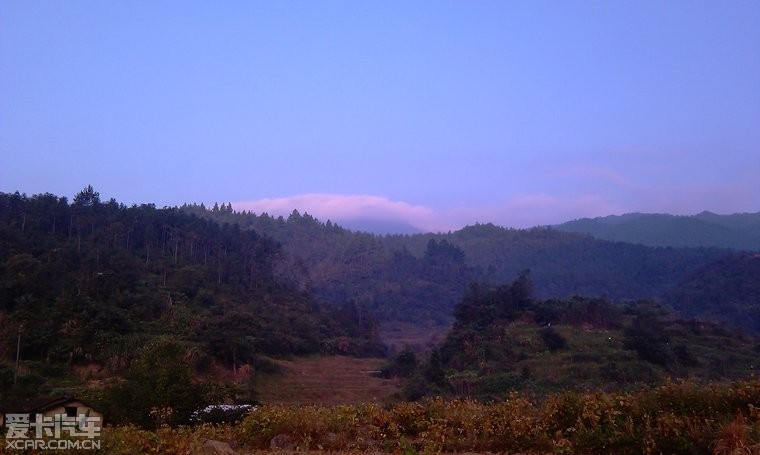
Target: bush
point(158, 388)
point(221, 413)
point(554, 340)
point(404, 364)
point(648, 337)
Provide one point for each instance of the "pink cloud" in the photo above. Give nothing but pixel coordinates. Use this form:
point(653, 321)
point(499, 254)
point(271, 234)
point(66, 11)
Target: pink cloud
point(339, 207)
point(518, 211)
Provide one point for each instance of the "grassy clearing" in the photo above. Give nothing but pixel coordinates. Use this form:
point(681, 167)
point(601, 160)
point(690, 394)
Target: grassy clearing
point(326, 381)
point(420, 336)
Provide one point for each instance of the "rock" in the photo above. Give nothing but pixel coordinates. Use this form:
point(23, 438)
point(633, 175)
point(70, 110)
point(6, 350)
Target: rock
point(282, 442)
point(329, 440)
point(211, 447)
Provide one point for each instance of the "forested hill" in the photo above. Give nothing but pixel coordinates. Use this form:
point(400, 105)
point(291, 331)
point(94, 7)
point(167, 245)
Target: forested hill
point(340, 265)
point(738, 231)
point(92, 281)
point(504, 339)
point(727, 290)
point(564, 264)
point(421, 277)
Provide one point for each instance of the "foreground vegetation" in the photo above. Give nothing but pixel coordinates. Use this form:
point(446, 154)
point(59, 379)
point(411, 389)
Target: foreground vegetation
point(677, 417)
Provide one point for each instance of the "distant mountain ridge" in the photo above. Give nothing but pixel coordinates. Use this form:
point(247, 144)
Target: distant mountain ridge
point(739, 231)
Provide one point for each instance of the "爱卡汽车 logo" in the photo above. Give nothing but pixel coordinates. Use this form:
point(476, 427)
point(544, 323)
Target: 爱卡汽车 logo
point(58, 431)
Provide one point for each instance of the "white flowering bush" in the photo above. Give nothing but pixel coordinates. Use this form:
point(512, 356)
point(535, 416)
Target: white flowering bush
point(221, 413)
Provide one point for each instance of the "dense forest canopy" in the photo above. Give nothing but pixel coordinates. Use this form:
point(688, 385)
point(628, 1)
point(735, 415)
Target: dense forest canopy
point(727, 291)
point(92, 281)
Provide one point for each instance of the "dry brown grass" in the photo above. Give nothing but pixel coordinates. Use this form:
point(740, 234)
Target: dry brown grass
point(326, 381)
point(419, 336)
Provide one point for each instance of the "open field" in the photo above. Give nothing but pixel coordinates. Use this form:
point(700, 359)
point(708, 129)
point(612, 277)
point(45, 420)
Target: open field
point(326, 381)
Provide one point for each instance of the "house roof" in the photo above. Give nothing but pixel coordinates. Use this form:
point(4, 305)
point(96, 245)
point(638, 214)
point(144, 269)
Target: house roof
point(37, 404)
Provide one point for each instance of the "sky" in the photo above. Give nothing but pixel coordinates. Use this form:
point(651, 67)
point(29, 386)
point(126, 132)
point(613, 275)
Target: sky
point(437, 114)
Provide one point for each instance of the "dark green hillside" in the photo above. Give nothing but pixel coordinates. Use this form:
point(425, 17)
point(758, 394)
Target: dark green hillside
point(340, 265)
point(93, 282)
point(726, 291)
point(565, 264)
point(738, 231)
point(397, 278)
point(503, 340)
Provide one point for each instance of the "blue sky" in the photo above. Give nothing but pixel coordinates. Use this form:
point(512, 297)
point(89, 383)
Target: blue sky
point(440, 113)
